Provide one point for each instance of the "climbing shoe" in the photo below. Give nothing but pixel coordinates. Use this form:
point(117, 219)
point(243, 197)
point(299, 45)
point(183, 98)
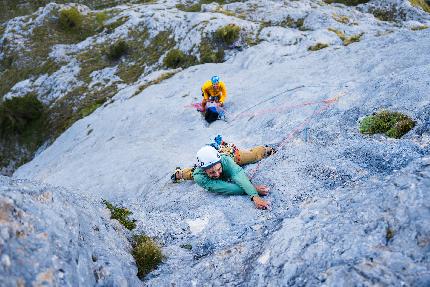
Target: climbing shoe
point(270, 150)
point(175, 177)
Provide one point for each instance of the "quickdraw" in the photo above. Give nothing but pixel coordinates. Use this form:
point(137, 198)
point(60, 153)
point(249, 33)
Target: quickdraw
point(225, 148)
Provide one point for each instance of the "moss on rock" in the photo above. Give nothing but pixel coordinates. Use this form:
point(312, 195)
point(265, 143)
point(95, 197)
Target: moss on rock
point(392, 124)
point(121, 214)
point(317, 46)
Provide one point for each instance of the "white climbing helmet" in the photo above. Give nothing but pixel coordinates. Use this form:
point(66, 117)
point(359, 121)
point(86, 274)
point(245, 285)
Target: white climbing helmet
point(207, 157)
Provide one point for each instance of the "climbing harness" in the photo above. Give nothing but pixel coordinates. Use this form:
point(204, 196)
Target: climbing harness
point(225, 148)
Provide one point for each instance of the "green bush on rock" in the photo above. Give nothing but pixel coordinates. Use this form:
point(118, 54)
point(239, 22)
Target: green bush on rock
point(121, 214)
point(117, 50)
point(175, 58)
point(393, 124)
point(228, 34)
point(18, 113)
point(70, 19)
point(146, 253)
point(317, 46)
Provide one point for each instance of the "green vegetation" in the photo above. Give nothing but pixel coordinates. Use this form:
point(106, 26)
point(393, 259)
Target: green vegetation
point(317, 46)
point(421, 4)
point(417, 28)
point(341, 18)
point(89, 109)
point(196, 7)
point(146, 253)
point(117, 50)
point(63, 114)
point(347, 2)
point(130, 73)
point(14, 8)
point(121, 214)
point(346, 40)
point(90, 61)
point(189, 8)
point(19, 113)
point(70, 28)
point(23, 128)
point(389, 14)
point(70, 19)
point(175, 58)
point(112, 26)
point(389, 234)
point(209, 52)
point(101, 17)
point(292, 23)
point(262, 26)
point(15, 74)
point(159, 45)
point(228, 34)
point(393, 124)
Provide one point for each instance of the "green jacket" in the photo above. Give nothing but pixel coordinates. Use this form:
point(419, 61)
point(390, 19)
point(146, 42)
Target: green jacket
point(233, 180)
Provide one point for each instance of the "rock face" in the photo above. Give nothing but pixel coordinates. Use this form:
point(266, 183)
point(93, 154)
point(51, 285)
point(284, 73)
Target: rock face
point(347, 209)
point(376, 232)
point(51, 237)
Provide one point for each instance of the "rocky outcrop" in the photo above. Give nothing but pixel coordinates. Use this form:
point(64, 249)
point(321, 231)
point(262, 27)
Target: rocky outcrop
point(51, 237)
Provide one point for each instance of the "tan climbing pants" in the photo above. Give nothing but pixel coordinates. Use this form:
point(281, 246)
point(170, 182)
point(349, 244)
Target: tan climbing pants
point(242, 157)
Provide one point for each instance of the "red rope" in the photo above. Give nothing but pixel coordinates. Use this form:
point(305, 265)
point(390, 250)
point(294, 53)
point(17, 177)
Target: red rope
point(272, 110)
point(289, 107)
point(327, 103)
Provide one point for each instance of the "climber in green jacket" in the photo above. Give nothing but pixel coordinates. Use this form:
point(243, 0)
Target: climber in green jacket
point(220, 174)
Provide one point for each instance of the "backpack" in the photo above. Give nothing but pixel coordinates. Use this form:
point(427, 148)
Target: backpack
point(211, 114)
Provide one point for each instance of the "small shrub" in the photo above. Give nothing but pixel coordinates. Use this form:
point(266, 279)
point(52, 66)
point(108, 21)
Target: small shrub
point(347, 2)
point(352, 39)
point(175, 58)
point(417, 28)
point(130, 74)
point(228, 34)
point(160, 44)
point(89, 109)
point(191, 8)
point(209, 53)
point(146, 253)
point(393, 124)
point(18, 113)
point(422, 4)
point(292, 23)
point(121, 214)
point(317, 46)
point(387, 14)
point(346, 40)
point(101, 17)
point(117, 50)
point(70, 19)
point(389, 234)
point(341, 18)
